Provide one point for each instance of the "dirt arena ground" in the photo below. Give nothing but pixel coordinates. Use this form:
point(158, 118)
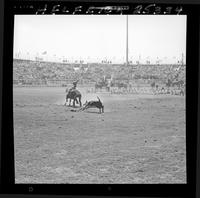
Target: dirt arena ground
point(139, 138)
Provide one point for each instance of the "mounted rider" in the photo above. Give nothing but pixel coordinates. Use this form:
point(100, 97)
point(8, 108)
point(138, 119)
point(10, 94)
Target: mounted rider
point(72, 88)
point(73, 94)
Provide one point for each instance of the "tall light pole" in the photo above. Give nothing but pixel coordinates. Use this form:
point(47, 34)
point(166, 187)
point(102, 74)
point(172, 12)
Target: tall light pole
point(126, 40)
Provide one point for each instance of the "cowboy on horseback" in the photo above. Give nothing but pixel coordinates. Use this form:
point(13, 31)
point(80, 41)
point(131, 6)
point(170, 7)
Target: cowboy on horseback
point(74, 86)
point(73, 94)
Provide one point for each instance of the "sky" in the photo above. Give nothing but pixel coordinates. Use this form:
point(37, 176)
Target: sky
point(94, 38)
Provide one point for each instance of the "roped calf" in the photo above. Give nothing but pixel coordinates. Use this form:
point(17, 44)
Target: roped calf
point(94, 104)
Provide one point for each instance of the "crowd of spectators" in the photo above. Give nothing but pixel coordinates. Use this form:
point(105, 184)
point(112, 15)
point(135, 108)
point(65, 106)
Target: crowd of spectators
point(59, 74)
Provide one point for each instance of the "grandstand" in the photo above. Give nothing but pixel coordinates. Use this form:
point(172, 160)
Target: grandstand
point(39, 73)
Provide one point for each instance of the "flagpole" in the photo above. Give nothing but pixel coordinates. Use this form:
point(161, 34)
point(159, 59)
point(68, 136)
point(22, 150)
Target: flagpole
point(126, 40)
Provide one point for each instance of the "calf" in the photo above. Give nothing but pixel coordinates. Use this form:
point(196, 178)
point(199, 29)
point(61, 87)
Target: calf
point(94, 104)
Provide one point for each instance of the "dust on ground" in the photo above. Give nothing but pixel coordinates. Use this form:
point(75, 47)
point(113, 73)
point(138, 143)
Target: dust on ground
point(139, 138)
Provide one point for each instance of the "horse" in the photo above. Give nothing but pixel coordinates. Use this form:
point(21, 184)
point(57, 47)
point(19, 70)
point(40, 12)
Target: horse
point(100, 85)
point(73, 95)
point(178, 83)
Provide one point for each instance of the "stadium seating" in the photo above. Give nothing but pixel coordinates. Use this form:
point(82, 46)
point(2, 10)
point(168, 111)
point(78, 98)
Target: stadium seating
point(35, 73)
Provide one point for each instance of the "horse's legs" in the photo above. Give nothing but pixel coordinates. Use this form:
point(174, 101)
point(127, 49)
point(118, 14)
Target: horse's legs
point(66, 101)
point(80, 101)
point(70, 102)
point(74, 102)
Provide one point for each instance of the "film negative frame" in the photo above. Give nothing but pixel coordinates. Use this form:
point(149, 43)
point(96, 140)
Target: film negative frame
point(90, 8)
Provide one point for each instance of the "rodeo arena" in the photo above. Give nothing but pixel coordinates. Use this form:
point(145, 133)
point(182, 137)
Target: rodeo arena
point(133, 132)
point(87, 122)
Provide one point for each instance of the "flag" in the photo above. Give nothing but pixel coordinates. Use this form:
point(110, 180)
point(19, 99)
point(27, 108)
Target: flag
point(45, 52)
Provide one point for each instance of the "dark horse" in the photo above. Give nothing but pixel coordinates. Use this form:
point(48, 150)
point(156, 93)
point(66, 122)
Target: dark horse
point(74, 95)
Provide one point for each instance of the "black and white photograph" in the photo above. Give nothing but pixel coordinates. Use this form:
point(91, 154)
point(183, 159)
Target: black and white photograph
point(99, 99)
